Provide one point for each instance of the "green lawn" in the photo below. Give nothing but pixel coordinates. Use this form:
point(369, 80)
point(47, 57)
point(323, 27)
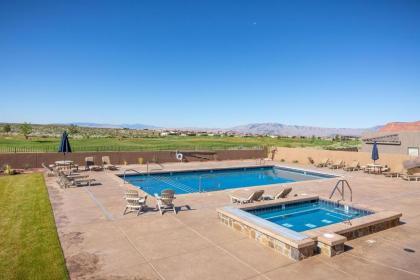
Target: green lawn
point(29, 244)
point(19, 144)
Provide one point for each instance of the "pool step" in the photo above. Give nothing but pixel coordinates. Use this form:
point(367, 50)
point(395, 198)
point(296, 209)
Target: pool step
point(175, 184)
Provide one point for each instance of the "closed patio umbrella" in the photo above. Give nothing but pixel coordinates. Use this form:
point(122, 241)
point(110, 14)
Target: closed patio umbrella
point(64, 144)
point(375, 152)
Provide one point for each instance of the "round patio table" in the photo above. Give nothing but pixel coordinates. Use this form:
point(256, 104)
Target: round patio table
point(64, 162)
point(376, 167)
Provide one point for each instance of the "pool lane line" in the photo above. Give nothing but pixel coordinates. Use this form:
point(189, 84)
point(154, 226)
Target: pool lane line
point(105, 212)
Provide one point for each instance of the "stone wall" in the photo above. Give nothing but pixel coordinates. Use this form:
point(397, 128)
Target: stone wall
point(268, 241)
point(366, 230)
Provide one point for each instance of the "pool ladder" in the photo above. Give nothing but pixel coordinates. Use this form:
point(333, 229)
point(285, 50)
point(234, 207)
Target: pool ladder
point(125, 171)
point(342, 183)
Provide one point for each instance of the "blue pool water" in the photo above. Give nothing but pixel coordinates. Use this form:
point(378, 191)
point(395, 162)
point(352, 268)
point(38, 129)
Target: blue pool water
point(309, 214)
point(219, 179)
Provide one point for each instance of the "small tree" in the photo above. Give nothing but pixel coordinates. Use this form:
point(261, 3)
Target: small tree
point(73, 129)
point(7, 128)
point(25, 129)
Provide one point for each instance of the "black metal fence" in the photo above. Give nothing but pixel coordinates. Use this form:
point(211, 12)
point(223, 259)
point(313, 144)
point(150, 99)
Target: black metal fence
point(51, 149)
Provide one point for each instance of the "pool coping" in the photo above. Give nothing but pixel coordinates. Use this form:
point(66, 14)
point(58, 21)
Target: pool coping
point(189, 169)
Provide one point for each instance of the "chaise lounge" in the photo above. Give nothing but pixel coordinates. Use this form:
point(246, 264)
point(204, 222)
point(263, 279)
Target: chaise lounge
point(337, 164)
point(106, 163)
point(323, 163)
point(255, 196)
point(283, 194)
point(354, 166)
point(90, 165)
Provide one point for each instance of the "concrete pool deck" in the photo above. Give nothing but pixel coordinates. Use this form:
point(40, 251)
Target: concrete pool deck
point(100, 243)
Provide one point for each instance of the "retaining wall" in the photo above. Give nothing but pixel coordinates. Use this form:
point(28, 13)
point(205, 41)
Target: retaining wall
point(34, 160)
point(301, 155)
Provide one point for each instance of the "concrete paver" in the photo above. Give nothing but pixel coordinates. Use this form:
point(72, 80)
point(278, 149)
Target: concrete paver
point(99, 242)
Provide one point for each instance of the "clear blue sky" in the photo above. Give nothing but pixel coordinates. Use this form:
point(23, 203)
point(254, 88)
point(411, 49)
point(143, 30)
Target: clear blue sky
point(210, 63)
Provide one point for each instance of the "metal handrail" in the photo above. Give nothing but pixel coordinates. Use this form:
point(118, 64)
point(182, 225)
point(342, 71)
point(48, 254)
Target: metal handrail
point(125, 171)
point(341, 192)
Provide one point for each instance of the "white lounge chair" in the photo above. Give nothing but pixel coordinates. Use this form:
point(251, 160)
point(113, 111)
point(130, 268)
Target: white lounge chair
point(411, 177)
point(78, 182)
point(106, 163)
point(283, 194)
point(337, 164)
point(255, 196)
point(50, 171)
point(354, 166)
point(400, 172)
point(323, 163)
point(165, 201)
point(90, 164)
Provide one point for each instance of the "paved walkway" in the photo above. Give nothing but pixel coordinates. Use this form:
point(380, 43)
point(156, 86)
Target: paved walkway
point(100, 243)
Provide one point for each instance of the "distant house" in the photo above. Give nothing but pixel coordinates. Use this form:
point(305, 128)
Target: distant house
point(397, 142)
point(348, 137)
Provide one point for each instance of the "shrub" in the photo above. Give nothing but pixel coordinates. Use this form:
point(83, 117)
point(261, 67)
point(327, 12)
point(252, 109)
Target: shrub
point(25, 129)
point(7, 128)
point(295, 161)
point(8, 170)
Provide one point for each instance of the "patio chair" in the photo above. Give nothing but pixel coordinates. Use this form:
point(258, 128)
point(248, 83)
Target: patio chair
point(106, 163)
point(255, 196)
point(165, 201)
point(337, 164)
point(401, 171)
point(384, 169)
point(131, 194)
point(68, 182)
point(323, 163)
point(135, 205)
point(411, 177)
point(90, 165)
point(283, 194)
point(354, 166)
point(50, 171)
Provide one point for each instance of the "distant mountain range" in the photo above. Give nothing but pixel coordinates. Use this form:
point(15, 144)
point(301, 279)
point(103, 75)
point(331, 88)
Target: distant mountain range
point(105, 125)
point(255, 128)
point(401, 126)
point(297, 130)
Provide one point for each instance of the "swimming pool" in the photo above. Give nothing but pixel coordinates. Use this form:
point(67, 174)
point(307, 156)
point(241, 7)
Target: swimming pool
point(308, 215)
point(183, 182)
